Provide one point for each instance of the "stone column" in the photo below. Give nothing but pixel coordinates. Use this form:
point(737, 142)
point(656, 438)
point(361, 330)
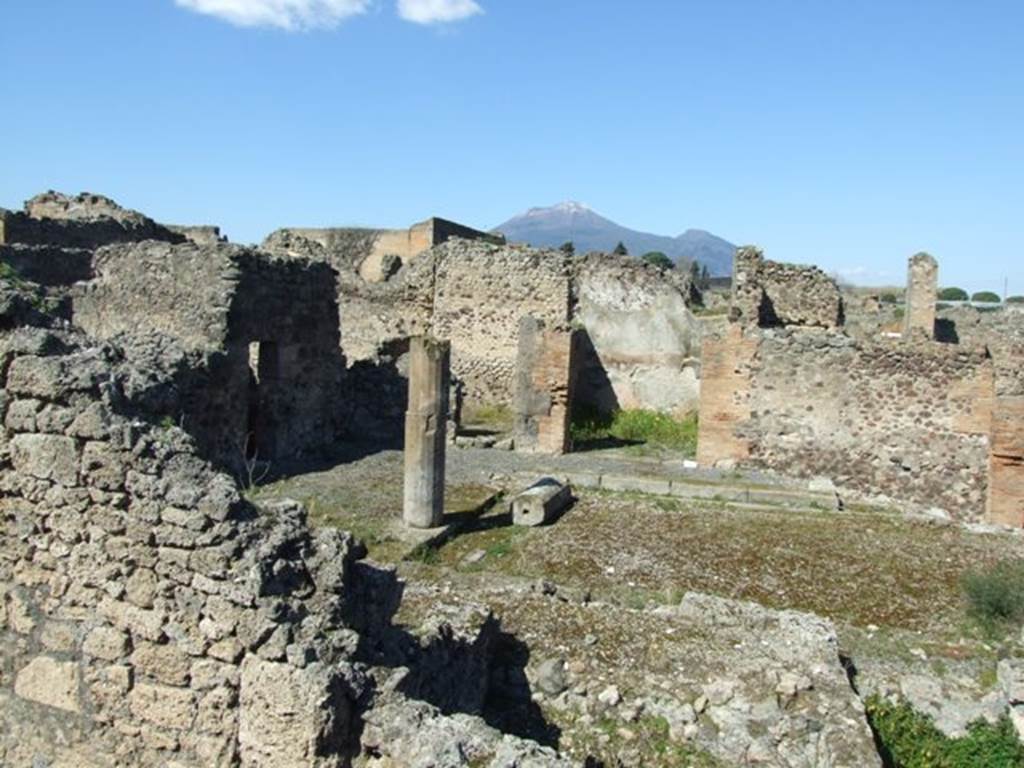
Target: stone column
point(922, 293)
point(426, 423)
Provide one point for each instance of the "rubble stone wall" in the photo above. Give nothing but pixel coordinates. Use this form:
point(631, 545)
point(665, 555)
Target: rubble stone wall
point(266, 329)
point(47, 264)
point(481, 292)
point(768, 293)
point(642, 345)
point(911, 422)
point(82, 221)
point(148, 616)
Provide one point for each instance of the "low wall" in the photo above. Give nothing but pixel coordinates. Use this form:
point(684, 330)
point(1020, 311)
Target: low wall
point(911, 422)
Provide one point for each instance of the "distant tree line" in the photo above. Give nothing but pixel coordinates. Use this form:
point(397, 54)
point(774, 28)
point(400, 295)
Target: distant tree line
point(982, 297)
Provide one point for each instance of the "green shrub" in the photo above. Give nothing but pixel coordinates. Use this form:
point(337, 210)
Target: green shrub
point(1015, 300)
point(986, 297)
point(911, 740)
point(636, 426)
point(953, 294)
point(7, 272)
point(889, 298)
point(658, 259)
point(995, 595)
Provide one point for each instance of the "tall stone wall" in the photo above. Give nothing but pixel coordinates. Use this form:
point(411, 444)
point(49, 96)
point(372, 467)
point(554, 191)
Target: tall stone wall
point(908, 421)
point(149, 616)
point(641, 344)
point(481, 292)
point(268, 384)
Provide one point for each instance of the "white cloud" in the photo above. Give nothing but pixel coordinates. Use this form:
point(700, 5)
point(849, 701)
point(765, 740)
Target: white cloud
point(285, 14)
point(437, 11)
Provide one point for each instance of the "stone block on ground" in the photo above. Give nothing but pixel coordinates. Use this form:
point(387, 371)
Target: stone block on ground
point(541, 502)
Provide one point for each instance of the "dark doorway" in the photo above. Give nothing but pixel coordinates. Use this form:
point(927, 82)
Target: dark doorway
point(264, 369)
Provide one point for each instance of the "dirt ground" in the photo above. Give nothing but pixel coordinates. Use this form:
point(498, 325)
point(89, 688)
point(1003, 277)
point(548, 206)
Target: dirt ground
point(890, 583)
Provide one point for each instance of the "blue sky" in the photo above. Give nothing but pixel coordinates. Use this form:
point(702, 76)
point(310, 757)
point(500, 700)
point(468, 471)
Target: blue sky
point(847, 134)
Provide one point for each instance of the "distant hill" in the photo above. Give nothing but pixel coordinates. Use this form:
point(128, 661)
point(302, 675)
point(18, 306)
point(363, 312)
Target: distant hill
point(590, 231)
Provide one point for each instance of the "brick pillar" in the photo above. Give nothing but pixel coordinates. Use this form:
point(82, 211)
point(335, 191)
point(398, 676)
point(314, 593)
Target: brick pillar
point(1006, 463)
point(426, 422)
point(545, 368)
point(922, 292)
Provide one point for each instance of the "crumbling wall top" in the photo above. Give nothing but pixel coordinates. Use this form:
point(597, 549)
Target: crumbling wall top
point(769, 293)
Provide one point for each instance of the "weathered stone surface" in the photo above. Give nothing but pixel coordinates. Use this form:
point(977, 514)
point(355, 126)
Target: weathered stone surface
point(48, 681)
point(47, 457)
point(768, 293)
point(545, 377)
point(292, 716)
point(164, 663)
point(922, 292)
point(425, 432)
point(163, 705)
point(541, 502)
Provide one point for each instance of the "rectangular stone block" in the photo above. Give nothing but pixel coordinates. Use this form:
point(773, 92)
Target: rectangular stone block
point(163, 706)
point(48, 457)
point(541, 502)
point(48, 681)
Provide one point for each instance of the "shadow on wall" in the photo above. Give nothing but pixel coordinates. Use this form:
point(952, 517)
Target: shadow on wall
point(945, 331)
point(480, 671)
point(378, 391)
point(594, 391)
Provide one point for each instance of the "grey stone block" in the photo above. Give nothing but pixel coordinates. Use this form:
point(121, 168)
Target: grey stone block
point(540, 502)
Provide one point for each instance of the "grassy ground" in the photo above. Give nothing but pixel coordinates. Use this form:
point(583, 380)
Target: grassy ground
point(636, 427)
point(494, 417)
point(369, 509)
point(858, 569)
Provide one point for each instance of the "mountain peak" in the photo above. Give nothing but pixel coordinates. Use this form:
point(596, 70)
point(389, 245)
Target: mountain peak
point(565, 207)
point(589, 231)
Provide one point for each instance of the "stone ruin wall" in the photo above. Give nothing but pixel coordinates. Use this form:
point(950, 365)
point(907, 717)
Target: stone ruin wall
point(922, 290)
point(546, 373)
point(768, 293)
point(913, 420)
point(909, 423)
point(641, 343)
point(1003, 334)
point(481, 292)
point(82, 221)
point(258, 355)
point(150, 616)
